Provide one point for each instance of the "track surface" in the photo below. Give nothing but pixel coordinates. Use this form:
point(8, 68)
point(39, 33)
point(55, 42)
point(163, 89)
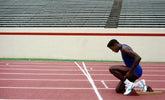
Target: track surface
point(65, 81)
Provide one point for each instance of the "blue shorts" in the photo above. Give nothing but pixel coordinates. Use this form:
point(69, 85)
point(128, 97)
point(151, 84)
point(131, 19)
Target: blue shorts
point(138, 71)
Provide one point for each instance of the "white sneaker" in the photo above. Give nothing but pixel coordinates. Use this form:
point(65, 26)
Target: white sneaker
point(129, 88)
point(143, 85)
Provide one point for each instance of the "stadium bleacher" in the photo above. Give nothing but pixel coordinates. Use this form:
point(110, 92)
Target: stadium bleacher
point(82, 13)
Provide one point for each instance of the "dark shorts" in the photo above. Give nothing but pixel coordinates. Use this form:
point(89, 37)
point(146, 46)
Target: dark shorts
point(139, 71)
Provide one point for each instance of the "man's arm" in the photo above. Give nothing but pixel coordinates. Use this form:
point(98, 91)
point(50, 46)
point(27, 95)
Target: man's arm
point(129, 52)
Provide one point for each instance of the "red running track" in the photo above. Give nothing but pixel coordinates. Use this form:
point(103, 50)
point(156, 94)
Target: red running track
point(65, 81)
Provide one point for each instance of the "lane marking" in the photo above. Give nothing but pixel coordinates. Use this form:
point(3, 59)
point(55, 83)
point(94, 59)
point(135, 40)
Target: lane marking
point(45, 80)
point(90, 79)
point(22, 99)
point(65, 88)
point(5, 73)
point(37, 74)
point(69, 69)
point(38, 66)
point(51, 88)
point(14, 79)
point(102, 81)
point(92, 82)
point(38, 69)
point(157, 65)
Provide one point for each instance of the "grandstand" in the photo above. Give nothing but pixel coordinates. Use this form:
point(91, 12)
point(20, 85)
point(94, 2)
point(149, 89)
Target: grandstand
point(83, 13)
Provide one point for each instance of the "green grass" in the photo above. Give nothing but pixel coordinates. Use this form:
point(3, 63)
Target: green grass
point(66, 60)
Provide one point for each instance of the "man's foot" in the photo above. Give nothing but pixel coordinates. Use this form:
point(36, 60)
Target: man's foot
point(149, 89)
point(143, 85)
point(133, 93)
point(129, 88)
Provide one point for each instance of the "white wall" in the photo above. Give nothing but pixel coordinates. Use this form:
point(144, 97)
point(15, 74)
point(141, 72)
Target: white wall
point(79, 47)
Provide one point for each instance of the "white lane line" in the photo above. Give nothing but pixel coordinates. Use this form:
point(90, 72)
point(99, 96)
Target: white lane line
point(36, 74)
point(102, 81)
point(72, 80)
point(44, 88)
point(92, 82)
point(36, 63)
point(14, 79)
point(39, 66)
point(22, 99)
point(38, 69)
point(93, 70)
point(52, 88)
point(90, 79)
point(81, 69)
point(64, 88)
point(67, 74)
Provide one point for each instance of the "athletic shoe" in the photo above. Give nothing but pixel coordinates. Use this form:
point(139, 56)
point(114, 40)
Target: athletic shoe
point(143, 85)
point(129, 88)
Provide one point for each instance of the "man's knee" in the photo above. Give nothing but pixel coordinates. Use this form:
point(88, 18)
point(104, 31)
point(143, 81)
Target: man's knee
point(111, 69)
point(120, 88)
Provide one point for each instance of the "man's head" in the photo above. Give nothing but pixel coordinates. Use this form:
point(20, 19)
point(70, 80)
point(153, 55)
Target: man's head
point(114, 45)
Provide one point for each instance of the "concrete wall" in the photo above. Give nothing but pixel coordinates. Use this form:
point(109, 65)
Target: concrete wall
point(150, 48)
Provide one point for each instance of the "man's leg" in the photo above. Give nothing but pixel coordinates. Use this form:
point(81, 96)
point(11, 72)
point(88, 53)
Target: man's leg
point(120, 88)
point(119, 72)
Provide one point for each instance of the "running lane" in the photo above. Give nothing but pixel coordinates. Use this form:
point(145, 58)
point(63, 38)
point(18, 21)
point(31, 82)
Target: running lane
point(65, 81)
